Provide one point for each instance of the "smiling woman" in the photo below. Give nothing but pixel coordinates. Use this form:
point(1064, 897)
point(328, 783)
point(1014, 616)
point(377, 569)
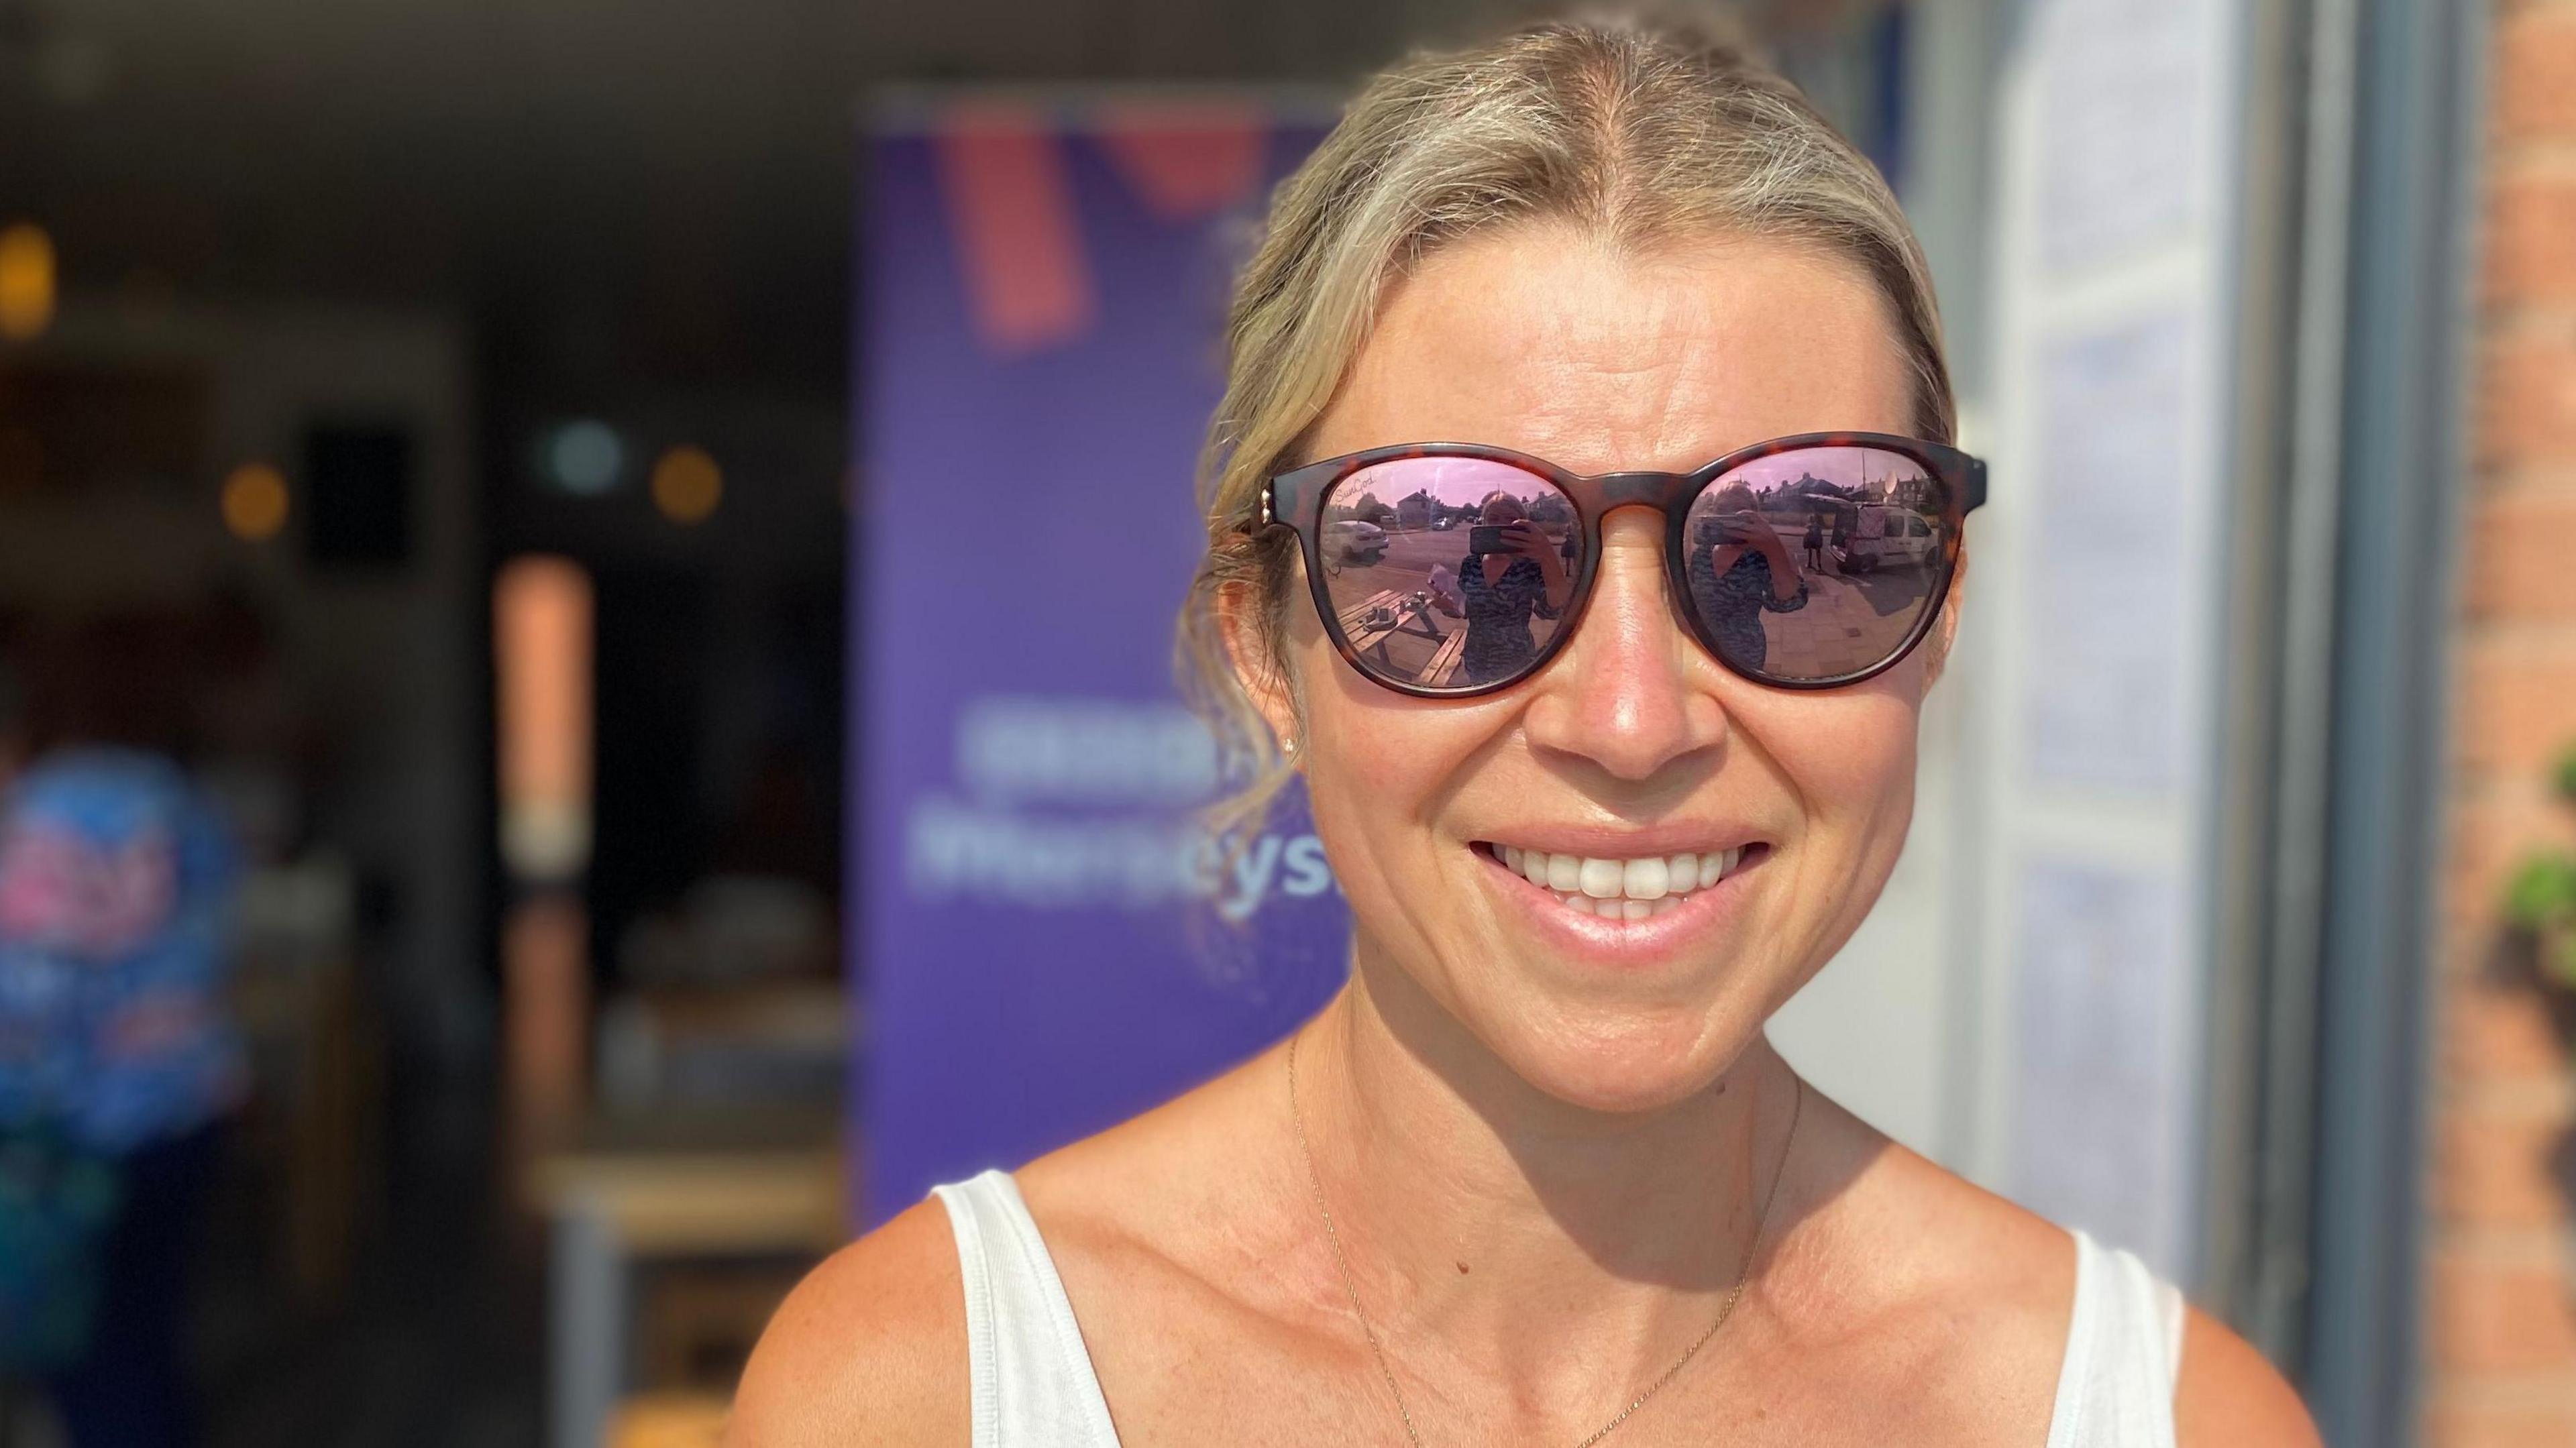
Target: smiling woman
point(1605, 791)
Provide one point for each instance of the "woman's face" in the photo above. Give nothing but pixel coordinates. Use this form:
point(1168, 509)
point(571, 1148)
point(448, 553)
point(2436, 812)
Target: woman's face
point(1632, 743)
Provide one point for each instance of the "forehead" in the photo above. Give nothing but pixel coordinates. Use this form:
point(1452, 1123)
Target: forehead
point(1550, 341)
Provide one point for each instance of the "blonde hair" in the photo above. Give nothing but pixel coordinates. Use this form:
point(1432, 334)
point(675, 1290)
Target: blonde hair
point(1643, 135)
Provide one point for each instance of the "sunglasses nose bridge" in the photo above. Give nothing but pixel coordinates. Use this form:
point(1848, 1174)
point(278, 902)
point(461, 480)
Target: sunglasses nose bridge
point(1639, 490)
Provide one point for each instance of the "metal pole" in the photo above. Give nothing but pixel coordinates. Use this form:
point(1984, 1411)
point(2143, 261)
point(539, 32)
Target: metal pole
point(2415, 130)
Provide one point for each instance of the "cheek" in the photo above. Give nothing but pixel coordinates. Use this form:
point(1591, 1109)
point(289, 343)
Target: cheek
point(1849, 755)
point(1849, 759)
point(1380, 770)
point(1375, 760)
point(1861, 759)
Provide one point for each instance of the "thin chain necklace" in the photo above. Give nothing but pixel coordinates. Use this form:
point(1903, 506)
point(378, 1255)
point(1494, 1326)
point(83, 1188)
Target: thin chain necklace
point(1350, 1287)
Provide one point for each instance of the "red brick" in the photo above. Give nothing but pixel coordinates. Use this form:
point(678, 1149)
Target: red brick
point(2489, 1317)
point(2494, 1169)
point(2526, 399)
point(2531, 240)
point(2463, 1425)
point(2517, 565)
point(2499, 1033)
point(2535, 72)
point(2489, 838)
point(2472, 946)
point(2517, 706)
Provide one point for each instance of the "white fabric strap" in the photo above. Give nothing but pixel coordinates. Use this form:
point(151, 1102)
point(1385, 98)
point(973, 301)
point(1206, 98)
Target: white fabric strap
point(1031, 1378)
point(1033, 1384)
point(2115, 1388)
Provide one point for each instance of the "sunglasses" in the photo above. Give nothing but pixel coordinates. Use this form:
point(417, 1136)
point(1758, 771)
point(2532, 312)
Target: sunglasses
point(1445, 570)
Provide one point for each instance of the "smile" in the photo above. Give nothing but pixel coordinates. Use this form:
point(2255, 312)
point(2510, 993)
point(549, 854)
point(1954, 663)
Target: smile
point(1623, 889)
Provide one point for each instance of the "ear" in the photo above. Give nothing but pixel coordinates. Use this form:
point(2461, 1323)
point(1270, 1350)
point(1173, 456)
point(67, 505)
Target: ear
point(1945, 629)
point(1252, 648)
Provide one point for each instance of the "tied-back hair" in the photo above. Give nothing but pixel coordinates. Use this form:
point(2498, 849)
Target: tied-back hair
point(1647, 136)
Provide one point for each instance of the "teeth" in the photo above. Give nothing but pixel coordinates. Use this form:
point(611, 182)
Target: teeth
point(1620, 889)
point(1717, 866)
point(1646, 879)
point(1602, 879)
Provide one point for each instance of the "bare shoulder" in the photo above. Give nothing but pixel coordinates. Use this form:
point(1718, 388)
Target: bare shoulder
point(1988, 1287)
point(1934, 1240)
point(869, 1348)
point(2230, 1394)
point(1923, 1298)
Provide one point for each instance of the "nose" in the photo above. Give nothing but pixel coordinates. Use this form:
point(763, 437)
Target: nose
point(1628, 695)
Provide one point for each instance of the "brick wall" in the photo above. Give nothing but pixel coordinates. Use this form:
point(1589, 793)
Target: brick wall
point(2501, 1286)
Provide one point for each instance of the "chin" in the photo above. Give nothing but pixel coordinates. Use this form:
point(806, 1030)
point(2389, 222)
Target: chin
point(1627, 1058)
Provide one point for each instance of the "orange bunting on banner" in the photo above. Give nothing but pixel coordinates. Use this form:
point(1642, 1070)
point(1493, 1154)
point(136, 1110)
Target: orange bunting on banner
point(1019, 244)
point(1187, 161)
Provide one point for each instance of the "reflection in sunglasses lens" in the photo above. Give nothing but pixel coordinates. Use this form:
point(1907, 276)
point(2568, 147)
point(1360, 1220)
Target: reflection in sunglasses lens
point(1818, 563)
point(1448, 573)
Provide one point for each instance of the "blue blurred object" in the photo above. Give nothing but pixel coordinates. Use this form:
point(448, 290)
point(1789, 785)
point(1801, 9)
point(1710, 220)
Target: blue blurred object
point(114, 884)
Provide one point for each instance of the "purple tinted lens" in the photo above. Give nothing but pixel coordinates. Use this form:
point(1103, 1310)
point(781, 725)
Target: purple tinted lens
point(1448, 574)
point(1816, 564)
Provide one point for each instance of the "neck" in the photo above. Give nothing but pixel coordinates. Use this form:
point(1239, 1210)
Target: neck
point(1462, 1194)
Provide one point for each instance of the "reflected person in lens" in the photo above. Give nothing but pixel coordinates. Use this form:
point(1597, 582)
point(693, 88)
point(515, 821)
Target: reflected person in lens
point(1740, 568)
point(1535, 1174)
point(1513, 572)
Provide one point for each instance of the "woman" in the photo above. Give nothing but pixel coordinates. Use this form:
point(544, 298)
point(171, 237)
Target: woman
point(1501, 591)
point(1739, 569)
point(1534, 1175)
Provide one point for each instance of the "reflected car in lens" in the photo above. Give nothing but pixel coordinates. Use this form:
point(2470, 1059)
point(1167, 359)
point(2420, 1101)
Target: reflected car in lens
point(1354, 542)
point(1885, 536)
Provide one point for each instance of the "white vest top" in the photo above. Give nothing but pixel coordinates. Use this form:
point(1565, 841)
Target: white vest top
point(1034, 1387)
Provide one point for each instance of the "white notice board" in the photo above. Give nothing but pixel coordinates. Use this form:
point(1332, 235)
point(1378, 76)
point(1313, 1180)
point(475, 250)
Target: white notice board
point(2094, 596)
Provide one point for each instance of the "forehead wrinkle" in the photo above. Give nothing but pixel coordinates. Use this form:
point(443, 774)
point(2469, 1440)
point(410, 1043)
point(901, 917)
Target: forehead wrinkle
point(1602, 360)
point(1589, 383)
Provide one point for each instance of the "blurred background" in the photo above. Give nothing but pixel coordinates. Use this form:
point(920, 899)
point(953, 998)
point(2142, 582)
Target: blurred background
point(547, 792)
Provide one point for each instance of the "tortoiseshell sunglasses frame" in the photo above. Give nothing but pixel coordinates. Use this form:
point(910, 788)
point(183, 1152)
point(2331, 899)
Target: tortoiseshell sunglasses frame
point(1295, 499)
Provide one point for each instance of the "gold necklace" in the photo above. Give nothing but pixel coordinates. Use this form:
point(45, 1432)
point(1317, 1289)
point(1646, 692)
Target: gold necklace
point(1350, 1287)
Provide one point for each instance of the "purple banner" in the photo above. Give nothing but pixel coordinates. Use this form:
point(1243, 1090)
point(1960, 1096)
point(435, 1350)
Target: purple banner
point(1043, 945)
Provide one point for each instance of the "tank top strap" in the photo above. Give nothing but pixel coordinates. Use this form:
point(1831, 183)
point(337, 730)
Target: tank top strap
point(2115, 1387)
point(1031, 1378)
